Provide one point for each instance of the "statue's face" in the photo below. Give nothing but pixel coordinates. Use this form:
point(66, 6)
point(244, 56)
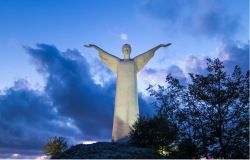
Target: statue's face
point(126, 49)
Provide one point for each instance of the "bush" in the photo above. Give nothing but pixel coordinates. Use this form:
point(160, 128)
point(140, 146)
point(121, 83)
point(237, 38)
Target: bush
point(55, 145)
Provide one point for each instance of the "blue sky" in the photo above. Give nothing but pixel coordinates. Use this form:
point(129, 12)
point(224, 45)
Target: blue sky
point(42, 58)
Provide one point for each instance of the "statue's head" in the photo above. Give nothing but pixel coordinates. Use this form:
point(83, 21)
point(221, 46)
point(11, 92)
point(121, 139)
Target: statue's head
point(126, 50)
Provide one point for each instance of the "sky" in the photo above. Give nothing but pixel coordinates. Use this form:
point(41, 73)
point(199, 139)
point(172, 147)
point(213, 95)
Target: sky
point(50, 85)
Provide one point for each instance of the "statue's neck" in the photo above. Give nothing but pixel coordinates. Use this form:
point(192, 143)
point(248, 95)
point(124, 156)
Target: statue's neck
point(126, 57)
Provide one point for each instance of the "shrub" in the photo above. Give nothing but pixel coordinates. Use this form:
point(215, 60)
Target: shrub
point(55, 145)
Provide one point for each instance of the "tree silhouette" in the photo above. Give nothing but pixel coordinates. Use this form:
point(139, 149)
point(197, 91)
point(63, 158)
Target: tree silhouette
point(211, 110)
point(156, 133)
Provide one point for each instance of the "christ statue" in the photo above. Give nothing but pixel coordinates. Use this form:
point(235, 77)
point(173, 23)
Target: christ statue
point(126, 98)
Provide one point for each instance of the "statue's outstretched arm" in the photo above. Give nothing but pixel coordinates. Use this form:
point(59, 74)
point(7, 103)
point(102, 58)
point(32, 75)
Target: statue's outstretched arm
point(142, 59)
point(96, 47)
point(152, 51)
point(109, 59)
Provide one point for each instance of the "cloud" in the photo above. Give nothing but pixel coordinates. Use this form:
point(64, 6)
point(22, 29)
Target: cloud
point(231, 53)
point(21, 84)
point(124, 36)
point(207, 17)
point(193, 64)
point(152, 76)
point(28, 119)
point(72, 90)
point(100, 73)
point(235, 54)
point(177, 72)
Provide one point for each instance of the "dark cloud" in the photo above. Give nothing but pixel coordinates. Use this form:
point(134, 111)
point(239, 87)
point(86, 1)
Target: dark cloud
point(27, 119)
point(21, 84)
point(71, 104)
point(235, 54)
point(72, 90)
point(177, 72)
point(215, 22)
point(205, 17)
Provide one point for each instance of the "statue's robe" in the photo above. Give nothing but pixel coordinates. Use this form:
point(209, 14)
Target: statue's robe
point(126, 98)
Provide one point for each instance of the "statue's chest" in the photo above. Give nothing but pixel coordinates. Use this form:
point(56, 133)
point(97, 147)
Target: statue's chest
point(126, 68)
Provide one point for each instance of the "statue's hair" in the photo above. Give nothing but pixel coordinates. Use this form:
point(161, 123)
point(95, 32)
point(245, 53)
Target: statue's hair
point(126, 45)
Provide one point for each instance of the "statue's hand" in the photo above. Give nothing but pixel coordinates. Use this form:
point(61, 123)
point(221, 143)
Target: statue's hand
point(165, 45)
point(90, 45)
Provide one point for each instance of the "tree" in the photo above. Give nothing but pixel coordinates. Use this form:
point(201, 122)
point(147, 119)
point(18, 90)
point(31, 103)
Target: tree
point(156, 133)
point(186, 149)
point(55, 145)
point(212, 110)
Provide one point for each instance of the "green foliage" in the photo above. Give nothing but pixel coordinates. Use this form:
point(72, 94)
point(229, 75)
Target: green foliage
point(212, 111)
point(156, 133)
point(55, 145)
